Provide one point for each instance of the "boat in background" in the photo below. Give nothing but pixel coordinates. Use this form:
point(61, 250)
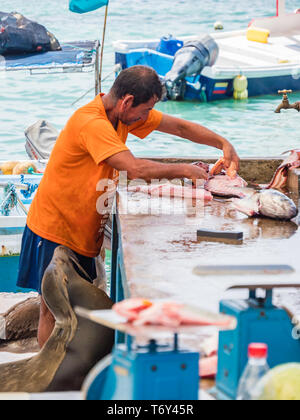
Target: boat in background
point(259, 60)
point(16, 194)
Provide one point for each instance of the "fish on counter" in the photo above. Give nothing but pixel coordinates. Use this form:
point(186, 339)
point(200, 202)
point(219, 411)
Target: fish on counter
point(141, 312)
point(221, 183)
point(173, 191)
point(280, 177)
point(224, 186)
point(269, 203)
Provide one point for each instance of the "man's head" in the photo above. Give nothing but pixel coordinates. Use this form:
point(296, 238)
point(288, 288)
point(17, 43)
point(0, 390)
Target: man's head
point(135, 92)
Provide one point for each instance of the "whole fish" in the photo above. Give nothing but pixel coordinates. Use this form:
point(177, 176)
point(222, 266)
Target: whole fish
point(172, 191)
point(269, 203)
point(280, 177)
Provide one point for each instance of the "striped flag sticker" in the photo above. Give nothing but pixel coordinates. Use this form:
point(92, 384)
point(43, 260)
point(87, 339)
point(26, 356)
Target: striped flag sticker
point(220, 88)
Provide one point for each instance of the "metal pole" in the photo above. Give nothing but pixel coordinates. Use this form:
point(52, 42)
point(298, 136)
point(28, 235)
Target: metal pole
point(102, 47)
point(97, 90)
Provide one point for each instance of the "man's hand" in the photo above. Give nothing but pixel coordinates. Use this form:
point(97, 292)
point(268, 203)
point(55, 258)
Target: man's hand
point(194, 173)
point(231, 158)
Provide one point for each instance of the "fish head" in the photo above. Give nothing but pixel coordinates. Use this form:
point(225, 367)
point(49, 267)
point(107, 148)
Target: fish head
point(65, 260)
point(276, 205)
point(250, 205)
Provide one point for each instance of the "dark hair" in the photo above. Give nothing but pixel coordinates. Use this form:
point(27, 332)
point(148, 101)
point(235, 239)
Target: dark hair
point(140, 81)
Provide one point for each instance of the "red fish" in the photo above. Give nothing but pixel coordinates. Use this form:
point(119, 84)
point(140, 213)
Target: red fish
point(220, 166)
point(280, 177)
point(225, 184)
point(131, 308)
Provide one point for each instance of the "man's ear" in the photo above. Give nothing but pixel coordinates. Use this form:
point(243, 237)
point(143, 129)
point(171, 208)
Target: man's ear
point(127, 102)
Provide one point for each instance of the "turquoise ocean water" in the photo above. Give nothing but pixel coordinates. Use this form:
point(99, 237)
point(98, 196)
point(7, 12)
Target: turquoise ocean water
point(252, 126)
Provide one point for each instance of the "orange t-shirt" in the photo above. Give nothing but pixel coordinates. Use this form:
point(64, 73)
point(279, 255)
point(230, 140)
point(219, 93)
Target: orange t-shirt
point(67, 206)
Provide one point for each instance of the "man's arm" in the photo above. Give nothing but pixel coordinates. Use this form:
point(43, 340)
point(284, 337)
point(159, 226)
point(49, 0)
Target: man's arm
point(148, 169)
point(199, 134)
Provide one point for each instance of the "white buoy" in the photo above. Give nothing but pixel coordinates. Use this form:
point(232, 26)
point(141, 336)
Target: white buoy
point(240, 86)
point(218, 26)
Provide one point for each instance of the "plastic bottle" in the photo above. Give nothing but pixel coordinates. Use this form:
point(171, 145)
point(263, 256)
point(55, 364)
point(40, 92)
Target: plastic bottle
point(256, 368)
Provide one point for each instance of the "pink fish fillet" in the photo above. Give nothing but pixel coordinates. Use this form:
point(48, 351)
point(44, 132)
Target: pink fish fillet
point(279, 179)
point(208, 366)
point(130, 308)
point(167, 314)
point(172, 191)
point(160, 314)
point(225, 186)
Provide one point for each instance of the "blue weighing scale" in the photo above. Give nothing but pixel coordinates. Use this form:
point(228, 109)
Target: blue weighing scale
point(147, 372)
point(258, 321)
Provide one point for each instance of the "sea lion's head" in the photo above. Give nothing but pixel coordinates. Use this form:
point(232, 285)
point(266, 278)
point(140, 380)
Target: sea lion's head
point(66, 260)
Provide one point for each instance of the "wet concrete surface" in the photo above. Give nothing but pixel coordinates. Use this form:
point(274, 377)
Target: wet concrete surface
point(161, 251)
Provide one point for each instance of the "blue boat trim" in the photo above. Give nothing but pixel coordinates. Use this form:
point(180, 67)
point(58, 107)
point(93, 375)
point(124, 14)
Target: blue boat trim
point(202, 88)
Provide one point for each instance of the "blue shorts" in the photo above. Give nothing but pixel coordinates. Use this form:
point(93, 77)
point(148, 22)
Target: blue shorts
point(36, 255)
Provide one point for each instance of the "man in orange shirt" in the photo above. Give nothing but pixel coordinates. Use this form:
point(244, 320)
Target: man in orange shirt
point(66, 209)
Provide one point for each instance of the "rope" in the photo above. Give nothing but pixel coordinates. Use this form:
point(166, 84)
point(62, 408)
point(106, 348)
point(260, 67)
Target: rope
point(30, 190)
point(10, 201)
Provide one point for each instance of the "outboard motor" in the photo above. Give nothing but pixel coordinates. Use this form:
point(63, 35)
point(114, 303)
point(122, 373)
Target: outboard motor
point(190, 60)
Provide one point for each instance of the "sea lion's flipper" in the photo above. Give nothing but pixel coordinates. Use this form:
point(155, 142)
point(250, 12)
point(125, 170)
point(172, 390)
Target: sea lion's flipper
point(22, 320)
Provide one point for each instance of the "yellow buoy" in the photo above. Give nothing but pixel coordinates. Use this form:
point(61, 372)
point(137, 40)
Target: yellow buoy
point(258, 34)
point(22, 168)
point(240, 86)
point(7, 167)
point(241, 95)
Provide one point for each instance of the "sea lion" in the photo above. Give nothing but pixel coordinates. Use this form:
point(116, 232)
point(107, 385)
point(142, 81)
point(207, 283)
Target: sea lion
point(92, 341)
point(61, 365)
